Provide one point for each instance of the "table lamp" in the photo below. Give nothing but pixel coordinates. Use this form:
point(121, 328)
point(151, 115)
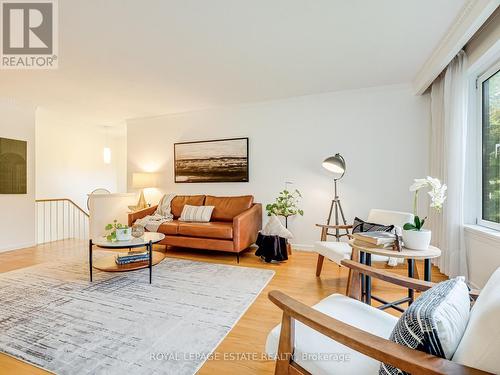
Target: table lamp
point(336, 165)
point(143, 181)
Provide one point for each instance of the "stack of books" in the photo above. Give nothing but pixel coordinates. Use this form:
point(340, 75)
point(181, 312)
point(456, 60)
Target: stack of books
point(132, 257)
point(381, 240)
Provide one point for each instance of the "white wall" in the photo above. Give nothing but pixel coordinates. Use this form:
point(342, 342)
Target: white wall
point(17, 211)
point(483, 253)
point(70, 157)
point(382, 133)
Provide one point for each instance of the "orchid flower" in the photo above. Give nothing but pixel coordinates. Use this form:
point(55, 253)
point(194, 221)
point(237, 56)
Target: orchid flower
point(438, 196)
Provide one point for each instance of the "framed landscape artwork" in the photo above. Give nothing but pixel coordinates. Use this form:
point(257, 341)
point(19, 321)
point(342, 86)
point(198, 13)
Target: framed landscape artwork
point(13, 167)
point(222, 160)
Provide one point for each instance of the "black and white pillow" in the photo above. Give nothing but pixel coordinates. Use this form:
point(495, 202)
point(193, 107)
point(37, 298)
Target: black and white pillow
point(434, 323)
point(201, 214)
point(363, 226)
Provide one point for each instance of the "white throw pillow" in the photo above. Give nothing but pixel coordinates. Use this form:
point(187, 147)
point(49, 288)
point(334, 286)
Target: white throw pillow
point(201, 214)
point(275, 228)
point(480, 345)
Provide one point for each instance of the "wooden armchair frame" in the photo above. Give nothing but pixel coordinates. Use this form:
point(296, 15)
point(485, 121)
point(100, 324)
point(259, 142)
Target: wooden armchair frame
point(402, 357)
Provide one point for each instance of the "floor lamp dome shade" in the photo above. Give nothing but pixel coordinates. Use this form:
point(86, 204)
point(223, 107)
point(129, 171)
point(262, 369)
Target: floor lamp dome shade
point(336, 165)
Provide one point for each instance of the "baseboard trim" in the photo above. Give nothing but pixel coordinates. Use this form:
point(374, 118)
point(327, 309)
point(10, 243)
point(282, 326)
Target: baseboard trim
point(18, 246)
point(302, 247)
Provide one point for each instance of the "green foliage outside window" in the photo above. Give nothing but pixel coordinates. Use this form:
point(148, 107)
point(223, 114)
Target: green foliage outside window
point(491, 148)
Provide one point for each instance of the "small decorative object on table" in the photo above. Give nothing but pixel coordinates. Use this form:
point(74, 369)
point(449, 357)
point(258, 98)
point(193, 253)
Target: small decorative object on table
point(118, 232)
point(414, 236)
point(137, 230)
point(398, 243)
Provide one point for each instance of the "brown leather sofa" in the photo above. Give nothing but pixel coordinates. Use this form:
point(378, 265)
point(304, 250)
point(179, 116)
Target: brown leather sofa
point(233, 227)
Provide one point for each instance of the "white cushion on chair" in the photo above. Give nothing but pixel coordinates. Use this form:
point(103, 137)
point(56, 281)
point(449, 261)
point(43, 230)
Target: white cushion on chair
point(310, 343)
point(337, 251)
point(333, 250)
point(480, 344)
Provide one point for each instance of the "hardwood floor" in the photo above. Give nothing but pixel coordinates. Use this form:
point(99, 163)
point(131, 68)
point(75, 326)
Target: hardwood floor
point(240, 352)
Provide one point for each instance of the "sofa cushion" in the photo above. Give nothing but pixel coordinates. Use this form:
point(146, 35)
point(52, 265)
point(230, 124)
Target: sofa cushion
point(480, 345)
point(180, 200)
point(220, 230)
point(226, 208)
point(321, 355)
point(170, 227)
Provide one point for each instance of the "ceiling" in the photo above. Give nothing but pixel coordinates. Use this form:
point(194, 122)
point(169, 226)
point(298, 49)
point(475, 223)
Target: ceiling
point(121, 59)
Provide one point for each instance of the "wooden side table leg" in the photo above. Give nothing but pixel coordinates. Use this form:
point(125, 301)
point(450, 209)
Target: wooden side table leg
point(354, 283)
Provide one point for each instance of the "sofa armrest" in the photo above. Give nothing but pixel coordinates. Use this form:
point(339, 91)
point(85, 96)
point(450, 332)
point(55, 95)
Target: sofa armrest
point(133, 216)
point(246, 226)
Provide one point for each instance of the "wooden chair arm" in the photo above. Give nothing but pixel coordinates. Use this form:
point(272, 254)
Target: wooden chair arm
point(402, 357)
point(334, 226)
point(390, 277)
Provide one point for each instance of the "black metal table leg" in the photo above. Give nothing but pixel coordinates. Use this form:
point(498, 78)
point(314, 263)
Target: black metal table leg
point(368, 280)
point(90, 259)
point(427, 269)
point(362, 257)
point(150, 261)
point(411, 269)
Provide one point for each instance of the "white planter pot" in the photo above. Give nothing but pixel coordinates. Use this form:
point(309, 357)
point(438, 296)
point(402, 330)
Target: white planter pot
point(417, 239)
point(124, 234)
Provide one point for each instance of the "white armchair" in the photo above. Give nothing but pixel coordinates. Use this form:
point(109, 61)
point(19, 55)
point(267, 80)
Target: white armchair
point(341, 335)
point(338, 251)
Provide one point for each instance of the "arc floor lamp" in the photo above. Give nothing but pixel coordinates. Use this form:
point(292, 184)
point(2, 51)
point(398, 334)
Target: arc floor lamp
point(337, 166)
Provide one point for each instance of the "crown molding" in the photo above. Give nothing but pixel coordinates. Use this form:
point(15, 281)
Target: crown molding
point(472, 16)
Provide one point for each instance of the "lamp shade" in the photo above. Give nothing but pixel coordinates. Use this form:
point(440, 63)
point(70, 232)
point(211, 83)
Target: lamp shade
point(144, 180)
point(335, 164)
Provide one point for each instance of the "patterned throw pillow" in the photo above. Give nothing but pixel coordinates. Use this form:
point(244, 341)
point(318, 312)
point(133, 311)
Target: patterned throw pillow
point(201, 214)
point(434, 323)
point(364, 226)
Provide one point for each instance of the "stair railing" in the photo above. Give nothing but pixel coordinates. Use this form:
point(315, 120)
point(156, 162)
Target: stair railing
point(60, 219)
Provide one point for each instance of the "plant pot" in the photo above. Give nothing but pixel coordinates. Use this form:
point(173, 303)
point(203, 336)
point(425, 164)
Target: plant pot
point(124, 234)
point(417, 239)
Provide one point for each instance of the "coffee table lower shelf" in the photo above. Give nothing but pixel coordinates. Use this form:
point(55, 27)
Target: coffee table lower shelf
point(108, 264)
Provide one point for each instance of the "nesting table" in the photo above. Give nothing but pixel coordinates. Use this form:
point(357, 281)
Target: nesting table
point(363, 254)
point(108, 263)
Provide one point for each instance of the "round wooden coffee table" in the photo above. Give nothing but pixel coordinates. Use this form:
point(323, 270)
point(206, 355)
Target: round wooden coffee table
point(108, 263)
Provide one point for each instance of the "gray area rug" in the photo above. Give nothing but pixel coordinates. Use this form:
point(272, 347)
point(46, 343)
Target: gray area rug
point(53, 317)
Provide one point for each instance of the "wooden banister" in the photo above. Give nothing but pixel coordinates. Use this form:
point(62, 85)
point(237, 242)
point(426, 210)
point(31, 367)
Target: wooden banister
point(61, 200)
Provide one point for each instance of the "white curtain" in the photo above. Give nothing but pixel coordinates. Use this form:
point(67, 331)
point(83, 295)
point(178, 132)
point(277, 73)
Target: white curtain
point(447, 162)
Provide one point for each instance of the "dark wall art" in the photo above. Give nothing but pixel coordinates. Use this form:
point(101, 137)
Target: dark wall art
point(13, 166)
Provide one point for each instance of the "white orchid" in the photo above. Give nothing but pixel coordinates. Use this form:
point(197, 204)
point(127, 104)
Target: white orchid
point(418, 184)
point(437, 194)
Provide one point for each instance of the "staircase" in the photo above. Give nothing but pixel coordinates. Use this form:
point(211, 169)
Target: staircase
point(60, 219)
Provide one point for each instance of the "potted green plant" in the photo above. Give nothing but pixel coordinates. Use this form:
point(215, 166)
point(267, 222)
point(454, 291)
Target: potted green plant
point(118, 232)
point(286, 205)
point(415, 237)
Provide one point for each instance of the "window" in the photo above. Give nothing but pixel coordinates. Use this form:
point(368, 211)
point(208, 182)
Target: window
point(489, 86)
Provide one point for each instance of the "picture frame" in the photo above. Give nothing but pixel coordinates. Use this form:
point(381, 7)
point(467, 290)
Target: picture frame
point(215, 160)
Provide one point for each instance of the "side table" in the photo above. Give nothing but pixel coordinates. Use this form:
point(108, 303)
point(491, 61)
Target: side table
point(361, 285)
